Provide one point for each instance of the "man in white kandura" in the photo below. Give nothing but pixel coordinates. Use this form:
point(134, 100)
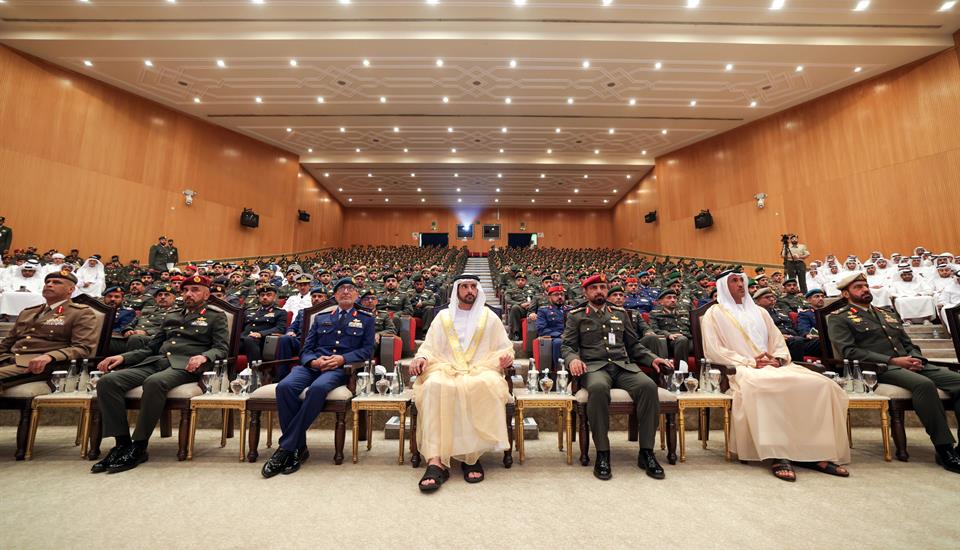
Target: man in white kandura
point(781, 411)
point(460, 389)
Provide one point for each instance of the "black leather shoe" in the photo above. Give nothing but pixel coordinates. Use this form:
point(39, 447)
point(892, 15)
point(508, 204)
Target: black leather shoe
point(131, 457)
point(647, 461)
point(602, 470)
point(108, 460)
point(293, 464)
point(949, 459)
point(303, 453)
point(276, 463)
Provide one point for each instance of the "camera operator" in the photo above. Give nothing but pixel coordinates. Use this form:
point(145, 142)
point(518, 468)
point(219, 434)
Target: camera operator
point(793, 255)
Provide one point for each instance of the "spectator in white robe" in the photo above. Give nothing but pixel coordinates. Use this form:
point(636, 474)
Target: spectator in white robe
point(878, 285)
point(885, 269)
point(26, 278)
point(830, 279)
point(895, 258)
point(90, 278)
point(949, 297)
point(943, 280)
point(814, 279)
point(922, 269)
point(56, 263)
point(913, 297)
point(851, 265)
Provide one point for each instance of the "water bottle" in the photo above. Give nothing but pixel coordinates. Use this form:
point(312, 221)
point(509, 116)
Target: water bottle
point(397, 369)
point(846, 378)
point(218, 376)
point(858, 386)
point(705, 385)
point(255, 378)
point(84, 380)
point(73, 376)
point(532, 379)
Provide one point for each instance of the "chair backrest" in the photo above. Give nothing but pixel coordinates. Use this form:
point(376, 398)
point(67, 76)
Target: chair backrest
point(826, 347)
point(309, 313)
point(105, 316)
point(234, 322)
point(953, 325)
point(695, 331)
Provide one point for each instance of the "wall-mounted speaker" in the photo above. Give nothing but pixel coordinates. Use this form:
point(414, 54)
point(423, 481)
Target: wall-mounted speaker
point(249, 218)
point(303, 215)
point(650, 217)
point(703, 220)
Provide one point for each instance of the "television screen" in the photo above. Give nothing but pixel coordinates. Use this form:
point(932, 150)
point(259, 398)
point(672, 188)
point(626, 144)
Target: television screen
point(465, 231)
point(491, 231)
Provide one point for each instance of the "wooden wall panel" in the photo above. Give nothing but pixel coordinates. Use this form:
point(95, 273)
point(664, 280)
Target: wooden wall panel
point(325, 228)
point(872, 166)
point(628, 215)
point(561, 228)
point(85, 165)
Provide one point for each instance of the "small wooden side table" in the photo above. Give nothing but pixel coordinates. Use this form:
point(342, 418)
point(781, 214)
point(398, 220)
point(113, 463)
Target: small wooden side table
point(872, 401)
point(563, 403)
point(393, 403)
point(701, 401)
point(224, 402)
point(72, 400)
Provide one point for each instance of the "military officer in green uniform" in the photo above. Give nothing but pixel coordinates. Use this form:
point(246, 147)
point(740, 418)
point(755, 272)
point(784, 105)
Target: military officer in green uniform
point(601, 346)
point(420, 303)
point(151, 318)
point(859, 331)
point(158, 258)
point(136, 297)
point(191, 339)
point(616, 295)
point(791, 299)
point(521, 300)
point(6, 236)
point(261, 322)
point(668, 321)
point(113, 272)
point(383, 325)
point(392, 298)
point(574, 294)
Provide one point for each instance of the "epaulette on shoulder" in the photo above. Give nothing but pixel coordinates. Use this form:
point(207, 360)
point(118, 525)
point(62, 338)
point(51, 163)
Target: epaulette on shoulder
point(577, 309)
point(41, 306)
point(617, 308)
point(843, 309)
point(365, 312)
point(78, 306)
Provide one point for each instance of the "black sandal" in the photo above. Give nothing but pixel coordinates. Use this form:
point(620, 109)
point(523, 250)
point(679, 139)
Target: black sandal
point(435, 473)
point(781, 467)
point(471, 469)
point(831, 468)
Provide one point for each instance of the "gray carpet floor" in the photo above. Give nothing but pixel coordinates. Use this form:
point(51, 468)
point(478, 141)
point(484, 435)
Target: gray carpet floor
point(218, 502)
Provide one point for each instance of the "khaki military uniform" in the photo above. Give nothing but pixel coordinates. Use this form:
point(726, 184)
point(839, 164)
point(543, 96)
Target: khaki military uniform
point(514, 297)
point(66, 332)
point(160, 366)
point(149, 321)
point(665, 323)
point(648, 337)
point(394, 300)
point(606, 341)
point(790, 302)
point(875, 335)
point(383, 325)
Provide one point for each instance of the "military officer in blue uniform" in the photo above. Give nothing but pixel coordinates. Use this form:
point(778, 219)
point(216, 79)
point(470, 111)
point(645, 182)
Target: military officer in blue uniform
point(266, 320)
point(551, 319)
point(124, 318)
point(807, 318)
point(634, 299)
point(289, 344)
point(337, 338)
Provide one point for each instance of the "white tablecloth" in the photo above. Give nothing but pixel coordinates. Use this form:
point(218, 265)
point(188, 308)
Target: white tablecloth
point(12, 303)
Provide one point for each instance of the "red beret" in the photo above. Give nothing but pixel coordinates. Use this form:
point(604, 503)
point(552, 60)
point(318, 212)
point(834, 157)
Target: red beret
point(632, 280)
point(199, 280)
point(556, 288)
point(601, 278)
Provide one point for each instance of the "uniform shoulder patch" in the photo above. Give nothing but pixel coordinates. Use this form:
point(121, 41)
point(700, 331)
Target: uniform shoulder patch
point(81, 306)
point(617, 308)
point(364, 312)
point(843, 309)
point(577, 309)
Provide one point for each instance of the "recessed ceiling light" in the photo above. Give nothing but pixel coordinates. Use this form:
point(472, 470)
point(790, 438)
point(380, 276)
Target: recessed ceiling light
point(948, 5)
point(862, 5)
point(857, 69)
point(366, 62)
point(557, 131)
point(419, 190)
point(433, 2)
point(537, 190)
point(342, 129)
point(258, 99)
point(350, 199)
point(326, 174)
point(340, 189)
point(533, 200)
point(344, 2)
point(380, 189)
point(632, 102)
point(369, 175)
point(450, 130)
point(596, 151)
point(549, 151)
point(799, 68)
point(258, 1)
point(309, 149)
point(605, 201)
point(777, 4)
point(498, 189)
point(459, 200)
point(612, 131)
point(293, 62)
point(88, 63)
point(503, 130)
point(458, 189)
point(607, 2)
point(423, 200)
point(614, 190)
point(456, 175)
point(439, 63)
point(383, 99)
point(148, 63)
point(520, 2)
point(501, 150)
point(664, 131)
point(644, 152)
point(446, 99)
point(196, 100)
point(357, 149)
point(658, 65)
point(728, 67)
point(413, 174)
point(289, 129)
point(693, 102)
point(569, 101)
point(453, 149)
point(508, 101)
point(542, 176)
point(320, 99)
point(386, 199)
point(500, 175)
point(576, 190)
point(753, 103)
point(693, 3)
point(496, 200)
point(222, 64)
point(585, 64)
point(171, 1)
point(405, 150)
point(513, 63)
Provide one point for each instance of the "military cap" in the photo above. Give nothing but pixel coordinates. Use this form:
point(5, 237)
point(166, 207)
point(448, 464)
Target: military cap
point(169, 288)
point(388, 276)
point(596, 279)
point(114, 288)
point(761, 277)
point(135, 262)
point(762, 292)
point(215, 287)
point(814, 291)
point(303, 278)
point(366, 293)
point(666, 293)
point(268, 288)
point(632, 280)
point(318, 290)
point(417, 279)
point(751, 282)
point(849, 278)
point(198, 280)
point(556, 288)
point(136, 280)
point(615, 288)
point(520, 275)
point(791, 280)
point(322, 272)
point(62, 274)
point(702, 276)
point(344, 281)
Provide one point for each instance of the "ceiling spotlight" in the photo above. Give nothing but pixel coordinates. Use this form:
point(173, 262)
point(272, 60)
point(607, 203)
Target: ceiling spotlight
point(614, 190)
point(456, 175)
point(508, 101)
point(607, 2)
point(857, 69)
point(326, 174)
point(345, 2)
point(585, 64)
point(366, 62)
point(569, 200)
point(446, 99)
point(383, 99)
point(549, 151)
point(576, 190)
point(453, 150)
point(537, 190)
point(948, 5)
point(320, 99)
point(439, 63)
point(340, 189)
point(293, 62)
point(520, 2)
point(148, 63)
point(728, 67)
point(542, 176)
point(500, 175)
point(777, 4)
point(289, 130)
point(644, 152)
point(342, 129)
point(258, 99)
point(862, 5)
point(632, 102)
point(503, 130)
point(396, 130)
point(498, 189)
point(433, 2)
point(612, 131)
point(658, 65)
point(449, 130)
point(357, 149)
point(423, 200)
point(309, 149)
point(459, 200)
point(196, 100)
point(557, 131)
point(496, 200)
point(369, 175)
point(258, 1)
point(693, 4)
point(222, 64)
point(513, 63)
point(88, 63)
point(413, 174)
point(629, 176)
point(569, 101)
point(533, 200)
point(596, 151)
point(419, 190)
point(501, 150)
point(799, 68)
point(350, 199)
point(386, 199)
point(753, 103)
point(664, 131)
point(458, 189)
point(693, 102)
point(405, 150)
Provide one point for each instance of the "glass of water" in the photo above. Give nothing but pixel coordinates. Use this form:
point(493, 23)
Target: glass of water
point(208, 377)
point(870, 380)
point(244, 378)
point(59, 380)
point(93, 381)
point(714, 376)
point(677, 381)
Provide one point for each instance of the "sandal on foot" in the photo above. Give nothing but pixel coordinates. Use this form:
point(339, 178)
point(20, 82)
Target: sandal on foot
point(831, 468)
point(781, 468)
point(435, 473)
point(470, 469)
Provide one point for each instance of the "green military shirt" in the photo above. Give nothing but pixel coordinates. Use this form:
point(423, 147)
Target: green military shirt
point(790, 302)
point(394, 300)
point(383, 325)
point(137, 302)
point(601, 337)
point(871, 335)
point(517, 296)
point(418, 302)
point(151, 319)
point(184, 334)
point(666, 322)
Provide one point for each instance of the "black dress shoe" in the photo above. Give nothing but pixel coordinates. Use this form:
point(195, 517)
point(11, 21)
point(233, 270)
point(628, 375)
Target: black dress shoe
point(131, 457)
point(602, 470)
point(293, 464)
point(647, 460)
point(108, 460)
point(276, 463)
point(303, 453)
point(949, 459)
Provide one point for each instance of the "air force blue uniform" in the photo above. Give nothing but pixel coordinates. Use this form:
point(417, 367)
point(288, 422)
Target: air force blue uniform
point(550, 322)
point(348, 333)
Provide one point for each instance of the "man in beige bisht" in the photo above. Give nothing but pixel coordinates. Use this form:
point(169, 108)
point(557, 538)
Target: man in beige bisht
point(781, 411)
point(460, 390)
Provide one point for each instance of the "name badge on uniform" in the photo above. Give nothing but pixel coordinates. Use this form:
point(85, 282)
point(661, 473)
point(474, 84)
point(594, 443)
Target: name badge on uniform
point(199, 322)
point(356, 323)
point(55, 321)
point(270, 315)
point(611, 338)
